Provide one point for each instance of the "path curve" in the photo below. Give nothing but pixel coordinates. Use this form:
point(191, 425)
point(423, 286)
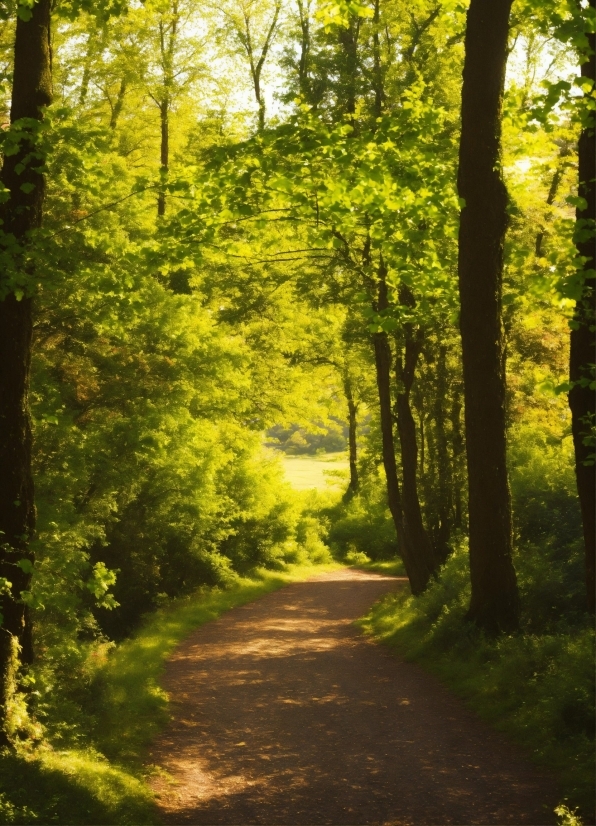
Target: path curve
point(284, 714)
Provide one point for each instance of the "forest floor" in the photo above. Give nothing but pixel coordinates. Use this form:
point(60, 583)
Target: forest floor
point(284, 713)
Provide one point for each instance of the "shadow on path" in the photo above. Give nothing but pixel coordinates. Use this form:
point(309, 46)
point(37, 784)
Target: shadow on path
point(283, 714)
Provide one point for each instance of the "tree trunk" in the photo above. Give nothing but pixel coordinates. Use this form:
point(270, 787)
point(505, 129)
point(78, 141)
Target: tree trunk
point(354, 485)
point(495, 602)
point(416, 564)
point(582, 353)
point(564, 153)
point(457, 446)
point(164, 117)
point(32, 90)
point(304, 61)
point(444, 474)
point(117, 108)
point(405, 371)
point(348, 40)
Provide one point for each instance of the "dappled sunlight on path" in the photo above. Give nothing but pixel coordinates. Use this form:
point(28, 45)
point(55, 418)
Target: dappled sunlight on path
point(283, 713)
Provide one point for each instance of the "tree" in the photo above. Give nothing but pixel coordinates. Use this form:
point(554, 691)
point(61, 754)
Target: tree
point(255, 30)
point(415, 552)
point(582, 357)
point(177, 67)
point(21, 213)
point(494, 603)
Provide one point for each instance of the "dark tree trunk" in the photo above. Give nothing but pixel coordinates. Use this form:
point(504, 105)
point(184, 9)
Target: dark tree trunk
point(83, 91)
point(32, 90)
point(495, 602)
point(583, 353)
point(348, 40)
point(354, 485)
point(378, 84)
point(405, 370)
point(118, 105)
point(416, 563)
point(95, 46)
point(457, 446)
point(304, 61)
point(444, 475)
point(164, 117)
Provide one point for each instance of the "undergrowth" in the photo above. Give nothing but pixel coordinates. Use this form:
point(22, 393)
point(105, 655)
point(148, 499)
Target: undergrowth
point(537, 685)
point(91, 770)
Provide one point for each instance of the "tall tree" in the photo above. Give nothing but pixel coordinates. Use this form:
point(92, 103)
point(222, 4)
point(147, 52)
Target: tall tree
point(405, 369)
point(168, 34)
point(583, 351)
point(256, 44)
point(416, 554)
point(22, 175)
point(495, 603)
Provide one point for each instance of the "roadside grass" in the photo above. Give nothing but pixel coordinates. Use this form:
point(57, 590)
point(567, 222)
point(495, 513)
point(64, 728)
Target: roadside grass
point(71, 787)
point(103, 782)
point(130, 707)
point(537, 688)
point(389, 567)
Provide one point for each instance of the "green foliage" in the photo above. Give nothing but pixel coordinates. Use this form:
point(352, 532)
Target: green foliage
point(104, 724)
point(538, 686)
point(363, 524)
point(75, 787)
point(295, 441)
point(164, 348)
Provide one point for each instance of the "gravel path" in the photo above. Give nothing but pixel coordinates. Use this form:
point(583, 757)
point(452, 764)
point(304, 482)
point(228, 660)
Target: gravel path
point(283, 714)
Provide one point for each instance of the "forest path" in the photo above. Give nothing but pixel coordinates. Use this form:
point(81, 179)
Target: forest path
point(284, 713)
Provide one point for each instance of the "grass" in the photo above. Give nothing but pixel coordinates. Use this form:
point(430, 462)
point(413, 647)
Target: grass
point(131, 707)
point(104, 782)
point(71, 787)
point(537, 688)
point(328, 470)
point(389, 567)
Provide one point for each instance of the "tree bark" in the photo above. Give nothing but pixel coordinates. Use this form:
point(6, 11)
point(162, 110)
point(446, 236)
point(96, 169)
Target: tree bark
point(348, 40)
point(256, 66)
point(416, 564)
point(495, 602)
point(458, 449)
point(444, 475)
point(119, 104)
point(404, 372)
point(168, 39)
point(32, 90)
point(304, 61)
point(164, 153)
point(354, 485)
point(583, 351)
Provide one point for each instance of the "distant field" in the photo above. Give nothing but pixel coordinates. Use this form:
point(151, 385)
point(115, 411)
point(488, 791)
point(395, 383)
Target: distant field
point(307, 472)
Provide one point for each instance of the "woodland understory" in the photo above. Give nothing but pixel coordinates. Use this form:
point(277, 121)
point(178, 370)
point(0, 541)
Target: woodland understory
point(226, 220)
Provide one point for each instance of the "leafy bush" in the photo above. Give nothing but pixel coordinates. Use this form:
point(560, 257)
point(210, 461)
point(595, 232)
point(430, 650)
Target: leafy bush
point(538, 687)
point(364, 524)
point(543, 489)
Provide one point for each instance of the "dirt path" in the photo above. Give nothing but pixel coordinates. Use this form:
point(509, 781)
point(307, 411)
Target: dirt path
point(285, 714)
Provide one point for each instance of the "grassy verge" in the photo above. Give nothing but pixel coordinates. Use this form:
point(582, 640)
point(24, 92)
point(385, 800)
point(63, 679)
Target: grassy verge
point(103, 781)
point(389, 567)
point(537, 688)
point(131, 707)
